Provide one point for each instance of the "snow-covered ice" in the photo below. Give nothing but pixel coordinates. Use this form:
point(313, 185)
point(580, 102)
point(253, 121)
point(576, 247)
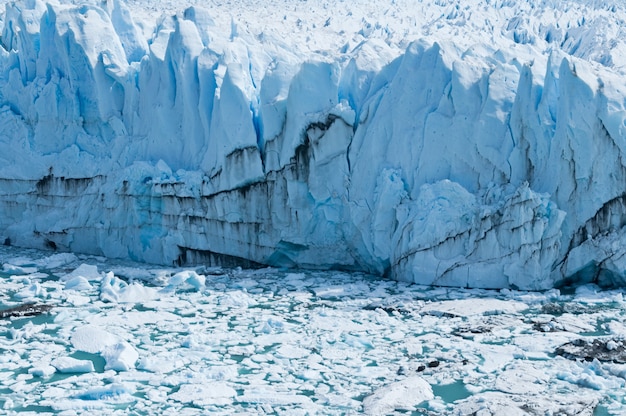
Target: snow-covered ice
point(473, 144)
point(270, 341)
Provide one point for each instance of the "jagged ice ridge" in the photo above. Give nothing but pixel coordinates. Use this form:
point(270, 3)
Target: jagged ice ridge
point(480, 146)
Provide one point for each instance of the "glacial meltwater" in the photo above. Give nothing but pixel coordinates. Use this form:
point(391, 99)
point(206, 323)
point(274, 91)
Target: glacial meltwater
point(126, 338)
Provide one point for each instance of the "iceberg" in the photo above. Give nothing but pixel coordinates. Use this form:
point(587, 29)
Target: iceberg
point(479, 147)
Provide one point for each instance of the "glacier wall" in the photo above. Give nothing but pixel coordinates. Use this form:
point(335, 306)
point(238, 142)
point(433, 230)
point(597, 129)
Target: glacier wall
point(430, 161)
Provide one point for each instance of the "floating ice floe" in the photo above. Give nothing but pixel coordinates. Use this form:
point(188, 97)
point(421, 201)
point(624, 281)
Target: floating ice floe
point(187, 279)
point(42, 371)
point(17, 270)
point(56, 260)
point(92, 339)
point(113, 289)
point(119, 355)
point(72, 365)
point(402, 395)
point(114, 390)
point(78, 283)
point(88, 272)
point(205, 394)
point(468, 307)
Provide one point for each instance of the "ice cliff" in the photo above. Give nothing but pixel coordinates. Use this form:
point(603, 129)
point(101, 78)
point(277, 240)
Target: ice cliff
point(486, 150)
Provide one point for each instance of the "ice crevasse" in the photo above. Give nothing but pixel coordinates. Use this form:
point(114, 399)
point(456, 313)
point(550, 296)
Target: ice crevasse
point(460, 165)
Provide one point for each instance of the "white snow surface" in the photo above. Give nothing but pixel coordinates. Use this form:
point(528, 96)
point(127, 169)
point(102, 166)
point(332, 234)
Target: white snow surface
point(475, 144)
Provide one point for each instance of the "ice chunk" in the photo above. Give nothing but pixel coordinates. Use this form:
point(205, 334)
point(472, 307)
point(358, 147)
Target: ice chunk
point(112, 391)
point(120, 356)
point(401, 395)
point(469, 307)
point(259, 395)
point(522, 379)
point(205, 394)
point(86, 271)
point(44, 371)
point(187, 279)
point(114, 289)
point(77, 283)
point(72, 365)
point(17, 270)
point(92, 339)
point(33, 290)
point(56, 260)
point(158, 364)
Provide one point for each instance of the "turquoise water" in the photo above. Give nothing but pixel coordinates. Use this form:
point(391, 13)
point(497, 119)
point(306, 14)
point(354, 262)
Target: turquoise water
point(452, 392)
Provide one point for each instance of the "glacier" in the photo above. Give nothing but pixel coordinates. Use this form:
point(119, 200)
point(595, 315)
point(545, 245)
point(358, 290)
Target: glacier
point(485, 149)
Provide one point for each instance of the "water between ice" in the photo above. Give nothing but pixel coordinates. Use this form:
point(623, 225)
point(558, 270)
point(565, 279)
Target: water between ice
point(126, 338)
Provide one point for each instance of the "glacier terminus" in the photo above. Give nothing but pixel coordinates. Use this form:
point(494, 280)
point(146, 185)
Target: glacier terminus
point(475, 146)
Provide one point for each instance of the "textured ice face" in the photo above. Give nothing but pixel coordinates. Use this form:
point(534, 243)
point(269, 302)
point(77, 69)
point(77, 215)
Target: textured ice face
point(427, 142)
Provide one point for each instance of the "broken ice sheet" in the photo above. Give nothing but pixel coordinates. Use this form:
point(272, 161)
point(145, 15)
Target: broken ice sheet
point(319, 342)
